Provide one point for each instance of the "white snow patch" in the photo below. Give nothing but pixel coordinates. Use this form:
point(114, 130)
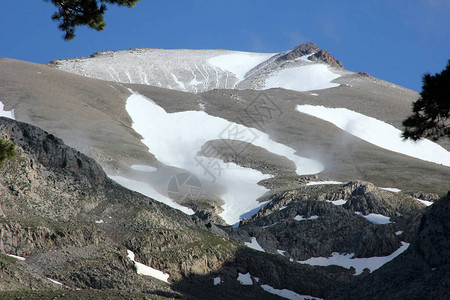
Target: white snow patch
point(324, 182)
point(180, 136)
point(375, 218)
point(288, 294)
point(314, 94)
point(347, 260)
point(301, 218)
point(6, 113)
point(283, 207)
point(338, 202)
point(427, 203)
point(146, 190)
point(398, 232)
point(254, 244)
point(146, 270)
point(99, 222)
point(394, 190)
point(303, 78)
point(143, 168)
point(239, 63)
point(245, 279)
point(217, 280)
point(378, 133)
point(281, 252)
point(16, 257)
point(54, 281)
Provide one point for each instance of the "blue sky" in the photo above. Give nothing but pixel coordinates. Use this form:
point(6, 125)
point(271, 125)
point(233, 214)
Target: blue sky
point(396, 40)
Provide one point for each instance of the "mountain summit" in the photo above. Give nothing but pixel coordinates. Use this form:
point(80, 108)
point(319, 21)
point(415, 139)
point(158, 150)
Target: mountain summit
point(202, 70)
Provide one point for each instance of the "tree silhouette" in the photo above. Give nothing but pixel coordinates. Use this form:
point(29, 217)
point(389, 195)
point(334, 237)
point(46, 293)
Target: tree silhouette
point(431, 112)
point(73, 13)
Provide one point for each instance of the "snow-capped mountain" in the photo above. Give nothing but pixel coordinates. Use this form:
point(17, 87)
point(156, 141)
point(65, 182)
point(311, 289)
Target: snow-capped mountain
point(275, 144)
point(197, 71)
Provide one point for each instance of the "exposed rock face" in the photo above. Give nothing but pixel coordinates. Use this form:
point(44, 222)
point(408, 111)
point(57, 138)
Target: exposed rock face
point(315, 54)
point(422, 272)
point(299, 51)
point(333, 228)
point(324, 56)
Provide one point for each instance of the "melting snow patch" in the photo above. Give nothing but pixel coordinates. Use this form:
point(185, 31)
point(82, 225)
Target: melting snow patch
point(16, 257)
point(303, 78)
point(5, 113)
point(288, 294)
point(217, 280)
point(281, 252)
point(147, 190)
point(254, 244)
point(300, 218)
point(347, 260)
point(99, 222)
point(323, 182)
point(375, 218)
point(143, 168)
point(146, 270)
point(181, 136)
point(398, 232)
point(338, 202)
point(378, 133)
point(427, 203)
point(245, 279)
point(394, 190)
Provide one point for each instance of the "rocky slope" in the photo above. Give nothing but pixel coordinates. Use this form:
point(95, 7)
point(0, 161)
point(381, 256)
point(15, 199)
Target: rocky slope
point(422, 272)
point(73, 225)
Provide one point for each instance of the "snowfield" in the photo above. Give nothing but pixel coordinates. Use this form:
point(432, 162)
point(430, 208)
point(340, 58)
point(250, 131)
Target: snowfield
point(198, 71)
point(179, 69)
point(303, 78)
point(347, 260)
point(239, 63)
point(378, 133)
point(180, 136)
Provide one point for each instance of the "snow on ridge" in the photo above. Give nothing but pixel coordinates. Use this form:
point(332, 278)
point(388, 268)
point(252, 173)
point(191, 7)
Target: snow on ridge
point(347, 260)
point(6, 113)
point(378, 133)
point(179, 69)
point(181, 136)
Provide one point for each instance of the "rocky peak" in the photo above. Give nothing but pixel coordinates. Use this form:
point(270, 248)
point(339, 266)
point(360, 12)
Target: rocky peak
point(299, 51)
point(324, 56)
point(316, 54)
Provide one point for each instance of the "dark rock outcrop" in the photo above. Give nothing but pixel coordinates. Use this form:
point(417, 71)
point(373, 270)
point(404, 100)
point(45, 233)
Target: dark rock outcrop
point(421, 272)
